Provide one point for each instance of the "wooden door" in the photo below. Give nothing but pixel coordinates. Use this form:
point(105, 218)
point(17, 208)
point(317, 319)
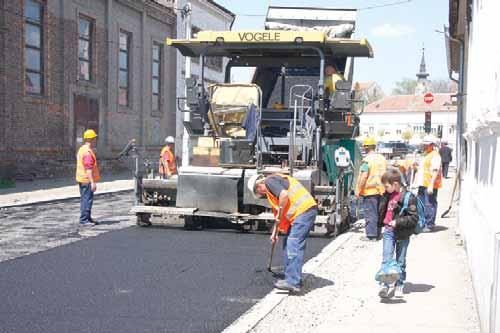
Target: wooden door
point(86, 116)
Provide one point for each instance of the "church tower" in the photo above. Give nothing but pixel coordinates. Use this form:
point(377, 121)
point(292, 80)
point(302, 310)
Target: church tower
point(423, 83)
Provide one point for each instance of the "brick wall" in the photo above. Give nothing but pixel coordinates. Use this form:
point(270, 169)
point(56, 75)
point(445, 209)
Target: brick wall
point(37, 132)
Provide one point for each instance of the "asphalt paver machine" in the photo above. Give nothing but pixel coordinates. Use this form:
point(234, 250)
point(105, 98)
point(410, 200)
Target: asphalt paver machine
point(285, 121)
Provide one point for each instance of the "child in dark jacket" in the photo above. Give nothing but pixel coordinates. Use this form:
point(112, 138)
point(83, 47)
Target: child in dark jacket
point(398, 226)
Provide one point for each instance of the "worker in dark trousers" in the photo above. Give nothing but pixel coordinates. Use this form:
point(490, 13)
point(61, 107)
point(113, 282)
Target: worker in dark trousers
point(369, 187)
point(295, 211)
point(446, 157)
point(87, 176)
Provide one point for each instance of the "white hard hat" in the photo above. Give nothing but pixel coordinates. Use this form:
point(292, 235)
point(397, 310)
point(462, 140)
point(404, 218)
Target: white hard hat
point(429, 139)
point(252, 182)
point(170, 139)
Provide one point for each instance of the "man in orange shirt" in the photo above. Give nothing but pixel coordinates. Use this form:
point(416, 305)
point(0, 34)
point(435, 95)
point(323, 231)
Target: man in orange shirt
point(87, 176)
point(168, 164)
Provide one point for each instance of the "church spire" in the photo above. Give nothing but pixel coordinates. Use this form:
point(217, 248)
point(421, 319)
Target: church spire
point(423, 71)
point(423, 84)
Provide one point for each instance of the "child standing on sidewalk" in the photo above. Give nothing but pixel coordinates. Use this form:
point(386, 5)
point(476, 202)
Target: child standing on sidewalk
point(398, 226)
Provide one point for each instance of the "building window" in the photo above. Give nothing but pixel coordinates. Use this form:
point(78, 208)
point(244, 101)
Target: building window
point(156, 76)
point(33, 47)
point(371, 129)
point(398, 131)
point(124, 73)
point(85, 33)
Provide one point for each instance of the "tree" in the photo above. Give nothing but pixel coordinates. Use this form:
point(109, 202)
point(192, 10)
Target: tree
point(405, 87)
point(407, 135)
point(443, 86)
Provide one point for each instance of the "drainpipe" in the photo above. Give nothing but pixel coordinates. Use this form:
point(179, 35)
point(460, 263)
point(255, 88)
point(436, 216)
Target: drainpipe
point(186, 15)
point(460, 105)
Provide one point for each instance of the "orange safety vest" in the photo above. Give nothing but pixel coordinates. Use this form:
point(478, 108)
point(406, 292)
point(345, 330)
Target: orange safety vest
point(299, 201)
point(428, 172)
point(168, 158)
point(377, 166)
point(81, 173)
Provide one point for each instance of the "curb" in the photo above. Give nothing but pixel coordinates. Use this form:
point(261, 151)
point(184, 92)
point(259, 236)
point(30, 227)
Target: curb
point(259, 311)
point(61, 199)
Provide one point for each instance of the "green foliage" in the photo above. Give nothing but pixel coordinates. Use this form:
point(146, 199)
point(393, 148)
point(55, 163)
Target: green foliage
point(407, 135)
point(405, 87)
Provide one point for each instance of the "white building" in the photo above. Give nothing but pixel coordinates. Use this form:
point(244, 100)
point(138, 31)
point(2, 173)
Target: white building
point(394, 115)
point(475, 23)
point(205, 15)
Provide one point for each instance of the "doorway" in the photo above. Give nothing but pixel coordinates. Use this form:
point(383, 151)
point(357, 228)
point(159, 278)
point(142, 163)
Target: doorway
point(86, 117)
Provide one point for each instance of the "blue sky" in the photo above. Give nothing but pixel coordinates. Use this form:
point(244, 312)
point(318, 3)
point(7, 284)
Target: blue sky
point(396, 33)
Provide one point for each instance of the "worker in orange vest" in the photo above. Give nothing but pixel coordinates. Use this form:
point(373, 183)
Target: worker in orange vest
point(168, 163)
point(370, 188)
point(295, 211)
point(87, 176)
point(429, 179)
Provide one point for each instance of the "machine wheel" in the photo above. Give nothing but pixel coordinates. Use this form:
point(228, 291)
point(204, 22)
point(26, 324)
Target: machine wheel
point(193, 223)
point(144, 220)
point(332, 229)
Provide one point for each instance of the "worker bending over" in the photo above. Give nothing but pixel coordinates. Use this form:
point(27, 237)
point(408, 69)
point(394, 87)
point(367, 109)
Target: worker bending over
point(295, 211)
point(429, 180)
point(87, 176)
point(369, 186)
point(168, 164)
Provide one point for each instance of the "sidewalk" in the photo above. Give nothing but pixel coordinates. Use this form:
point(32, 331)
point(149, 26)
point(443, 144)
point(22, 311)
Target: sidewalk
point(341, 294)
point(59, 189)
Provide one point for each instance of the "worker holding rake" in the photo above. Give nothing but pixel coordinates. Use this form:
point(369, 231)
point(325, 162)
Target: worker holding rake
point(295, 211)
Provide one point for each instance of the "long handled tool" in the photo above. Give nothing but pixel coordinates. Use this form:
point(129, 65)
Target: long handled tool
point(273, 247)
point(452, 195)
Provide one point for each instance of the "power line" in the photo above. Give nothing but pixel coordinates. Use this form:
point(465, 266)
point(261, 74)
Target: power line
point(359, 9)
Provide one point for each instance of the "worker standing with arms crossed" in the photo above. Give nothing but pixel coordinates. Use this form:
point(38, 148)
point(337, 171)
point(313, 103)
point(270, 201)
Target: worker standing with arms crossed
point(295, 211)
point(168, 163)
point(87, 176)
point(429, 181)
point(369, 186)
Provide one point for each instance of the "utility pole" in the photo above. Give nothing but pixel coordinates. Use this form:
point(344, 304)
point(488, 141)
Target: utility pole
point(186, 16)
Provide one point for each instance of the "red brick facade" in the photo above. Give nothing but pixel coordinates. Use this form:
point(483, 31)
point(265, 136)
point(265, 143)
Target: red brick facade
point(37, 133)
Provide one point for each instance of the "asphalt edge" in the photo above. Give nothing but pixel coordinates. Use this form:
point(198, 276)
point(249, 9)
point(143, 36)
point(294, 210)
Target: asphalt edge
point(62, 199)
point(252, 317)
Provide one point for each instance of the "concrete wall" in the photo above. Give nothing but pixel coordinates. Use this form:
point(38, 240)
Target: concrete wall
point(38, 131)
point(479, 218)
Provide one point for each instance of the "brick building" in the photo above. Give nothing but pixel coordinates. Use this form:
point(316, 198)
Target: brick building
point(70, 65)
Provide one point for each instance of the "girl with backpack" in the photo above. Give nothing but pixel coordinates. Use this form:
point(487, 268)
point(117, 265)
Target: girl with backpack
point(398, 214)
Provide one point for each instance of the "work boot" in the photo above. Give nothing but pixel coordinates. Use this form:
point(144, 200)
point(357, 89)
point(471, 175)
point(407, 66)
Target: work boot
point(398, 291)
point(283, 285)
point(384, 292)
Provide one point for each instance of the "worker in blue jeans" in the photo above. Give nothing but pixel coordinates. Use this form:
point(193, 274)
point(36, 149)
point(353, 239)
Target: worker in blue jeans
point(429, 180)
point(294, 245)
point(398, 225)
point(295, 211)
point(369, 187)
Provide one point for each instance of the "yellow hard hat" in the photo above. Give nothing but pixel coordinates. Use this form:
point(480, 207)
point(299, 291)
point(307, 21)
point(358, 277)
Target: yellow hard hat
point(89, 134)
point(369, 142)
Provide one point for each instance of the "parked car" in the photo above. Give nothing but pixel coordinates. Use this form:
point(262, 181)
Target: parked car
point(393, 149)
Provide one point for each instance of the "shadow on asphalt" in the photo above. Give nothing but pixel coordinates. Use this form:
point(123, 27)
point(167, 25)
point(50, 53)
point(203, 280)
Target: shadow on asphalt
point(417, 288)
point(109, 222)
point(439, 228)
point(313, 282)
point(392, 301)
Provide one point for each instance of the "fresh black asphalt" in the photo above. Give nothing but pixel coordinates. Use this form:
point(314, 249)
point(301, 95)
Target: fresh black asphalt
point(158, 279)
